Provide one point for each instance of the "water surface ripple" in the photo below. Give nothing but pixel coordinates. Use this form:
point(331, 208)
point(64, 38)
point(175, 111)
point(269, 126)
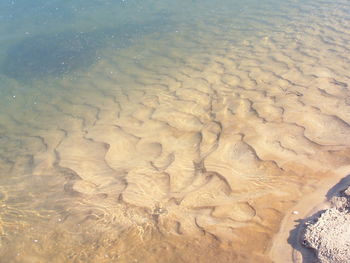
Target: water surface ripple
point(162, 131)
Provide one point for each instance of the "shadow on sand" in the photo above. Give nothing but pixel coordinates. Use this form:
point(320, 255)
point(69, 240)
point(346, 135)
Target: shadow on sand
point(295, 238)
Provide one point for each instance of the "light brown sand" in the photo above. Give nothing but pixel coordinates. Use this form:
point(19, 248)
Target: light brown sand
point(287, 243)
point(178, 160)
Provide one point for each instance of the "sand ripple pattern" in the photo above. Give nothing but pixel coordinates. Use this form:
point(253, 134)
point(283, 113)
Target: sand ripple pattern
point(167, 159)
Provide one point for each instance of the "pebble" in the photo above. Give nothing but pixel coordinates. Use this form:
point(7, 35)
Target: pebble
point(295, 212)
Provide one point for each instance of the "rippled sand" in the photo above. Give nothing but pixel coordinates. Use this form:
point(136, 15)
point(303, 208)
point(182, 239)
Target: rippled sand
point(191, 152)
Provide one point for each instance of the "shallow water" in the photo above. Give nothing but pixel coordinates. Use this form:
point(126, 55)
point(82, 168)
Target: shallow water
point(162, 131)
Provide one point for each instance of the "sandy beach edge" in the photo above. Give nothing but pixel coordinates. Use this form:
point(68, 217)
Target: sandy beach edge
point(286, 246)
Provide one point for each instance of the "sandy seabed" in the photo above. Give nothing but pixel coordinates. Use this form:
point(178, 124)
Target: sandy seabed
point(166, 159)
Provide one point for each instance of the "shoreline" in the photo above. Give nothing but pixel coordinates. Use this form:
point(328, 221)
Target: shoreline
point(286, 245)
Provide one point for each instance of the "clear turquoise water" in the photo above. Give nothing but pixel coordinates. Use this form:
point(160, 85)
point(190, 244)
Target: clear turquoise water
point(68, 67)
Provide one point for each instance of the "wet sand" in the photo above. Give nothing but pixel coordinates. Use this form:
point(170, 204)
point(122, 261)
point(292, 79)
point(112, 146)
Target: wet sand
point(188, 152)
point(287, 243)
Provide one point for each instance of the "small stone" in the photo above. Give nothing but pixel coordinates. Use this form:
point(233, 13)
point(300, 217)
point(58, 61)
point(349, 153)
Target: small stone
point(339, 202)
point(295, 212)
point(347, 191)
